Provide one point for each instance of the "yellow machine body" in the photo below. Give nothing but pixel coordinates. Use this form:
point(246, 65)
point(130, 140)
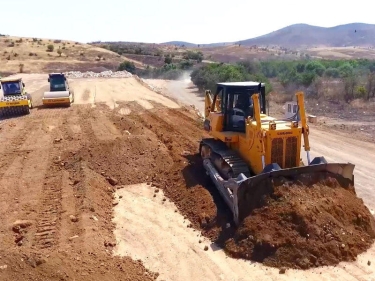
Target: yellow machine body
point(15, 100)
point(248, 147)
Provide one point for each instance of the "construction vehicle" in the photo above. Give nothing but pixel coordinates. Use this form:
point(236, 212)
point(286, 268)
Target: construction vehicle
point(59, 92)
point(248, 149)
point(15, 100)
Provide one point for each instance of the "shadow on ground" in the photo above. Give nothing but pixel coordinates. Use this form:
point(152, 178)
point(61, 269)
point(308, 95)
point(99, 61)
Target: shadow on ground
point(222, 224)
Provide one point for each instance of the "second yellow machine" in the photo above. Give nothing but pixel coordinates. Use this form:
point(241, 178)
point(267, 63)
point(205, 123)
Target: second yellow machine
point(248, 148)
point(59, 93)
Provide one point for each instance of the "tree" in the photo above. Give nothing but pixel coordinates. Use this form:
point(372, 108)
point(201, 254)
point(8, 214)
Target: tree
point(315, 67)
point(370, 85)
point(50, 48)
point(332, 72)
point(59, 52)
point(350, 84)
point(346, 70)
point(167, 59)
point(127, 66)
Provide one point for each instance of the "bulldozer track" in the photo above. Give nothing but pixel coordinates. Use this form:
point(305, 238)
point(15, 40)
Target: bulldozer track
point(46, 228)
point(49, 216)
point(230, 157)
point(13, 148)
point(50, 212)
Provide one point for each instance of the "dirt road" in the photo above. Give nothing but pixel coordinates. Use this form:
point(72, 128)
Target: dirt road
point(63, 170)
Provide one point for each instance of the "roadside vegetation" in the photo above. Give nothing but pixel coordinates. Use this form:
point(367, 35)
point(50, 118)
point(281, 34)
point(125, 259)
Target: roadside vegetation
point(171, 69)
point(355, 77)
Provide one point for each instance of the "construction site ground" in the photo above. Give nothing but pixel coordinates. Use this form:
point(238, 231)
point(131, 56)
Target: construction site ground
point(107, 190)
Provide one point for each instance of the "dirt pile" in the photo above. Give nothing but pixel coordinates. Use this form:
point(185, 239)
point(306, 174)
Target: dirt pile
point(70, 265)
point(161, 146)
point(302, 227)
point(296, 227)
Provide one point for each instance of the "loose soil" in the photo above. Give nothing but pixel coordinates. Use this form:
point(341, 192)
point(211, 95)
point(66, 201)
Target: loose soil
point(305, 224)
point(159, 147)
point(61, 167)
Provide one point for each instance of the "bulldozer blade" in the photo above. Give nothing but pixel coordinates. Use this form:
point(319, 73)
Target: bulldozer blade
point(243, 194)
point(249, 192)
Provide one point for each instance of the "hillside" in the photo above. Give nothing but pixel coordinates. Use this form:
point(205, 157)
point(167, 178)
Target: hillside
point(34, 55)
point(307, 36)
point(300, 36)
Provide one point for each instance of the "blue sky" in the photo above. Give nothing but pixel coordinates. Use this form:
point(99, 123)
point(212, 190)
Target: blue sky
point(158, 21)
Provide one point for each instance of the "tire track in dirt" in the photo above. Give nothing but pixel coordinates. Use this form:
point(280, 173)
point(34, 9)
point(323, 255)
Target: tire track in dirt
point(50, 206)
point(22, 180)
point(73, 185)
point(103, 128)
point(12, 141)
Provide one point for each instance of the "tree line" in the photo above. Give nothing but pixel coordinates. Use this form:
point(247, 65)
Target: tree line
point(358, 76)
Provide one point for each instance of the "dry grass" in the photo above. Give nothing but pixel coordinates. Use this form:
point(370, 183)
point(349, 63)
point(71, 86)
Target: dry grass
point(342, 52)
point(66, 55)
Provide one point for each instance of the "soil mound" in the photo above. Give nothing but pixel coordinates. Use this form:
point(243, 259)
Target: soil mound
point(305, 224)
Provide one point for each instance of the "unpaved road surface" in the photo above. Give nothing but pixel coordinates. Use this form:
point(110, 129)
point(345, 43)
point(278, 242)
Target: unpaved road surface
point(182, 90)
point(64, 170)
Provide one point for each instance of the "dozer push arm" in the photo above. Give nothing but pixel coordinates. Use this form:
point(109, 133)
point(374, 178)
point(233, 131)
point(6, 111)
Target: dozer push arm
point(208, 103)
point(256, 106)
point(305, 127)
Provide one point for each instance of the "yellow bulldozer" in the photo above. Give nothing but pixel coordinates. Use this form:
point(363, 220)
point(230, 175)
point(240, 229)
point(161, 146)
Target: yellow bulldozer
point(248, 148)
point(15, 100)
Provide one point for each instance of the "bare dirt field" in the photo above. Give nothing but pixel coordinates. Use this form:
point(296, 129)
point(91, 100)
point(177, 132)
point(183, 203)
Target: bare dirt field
point(118, 171)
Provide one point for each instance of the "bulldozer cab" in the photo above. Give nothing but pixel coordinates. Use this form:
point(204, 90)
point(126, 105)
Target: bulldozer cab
point(12, 86)
point(58, 82)
point(237, 104)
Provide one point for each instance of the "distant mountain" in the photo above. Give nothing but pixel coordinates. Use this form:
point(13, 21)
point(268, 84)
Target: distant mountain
point(304, 35)
point(307, 36)
point(190, 45)
point(180, 43)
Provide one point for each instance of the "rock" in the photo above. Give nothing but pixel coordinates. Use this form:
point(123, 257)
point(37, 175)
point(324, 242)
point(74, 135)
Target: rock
point(73, 218)
point(282, 270)
point(109, 244)
point(40, 261)
point(112, 181)
point(94, 218)
point(18, 224)
point(18, 238)
point(73, 237)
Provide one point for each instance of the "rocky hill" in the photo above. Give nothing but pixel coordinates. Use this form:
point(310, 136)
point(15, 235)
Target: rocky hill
point(308, 36)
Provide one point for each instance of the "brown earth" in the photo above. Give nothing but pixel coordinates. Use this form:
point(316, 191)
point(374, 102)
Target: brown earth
point(33, 55)
point(49, 199)
point(60, 168)
point(161, 150)
point(305, 224)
